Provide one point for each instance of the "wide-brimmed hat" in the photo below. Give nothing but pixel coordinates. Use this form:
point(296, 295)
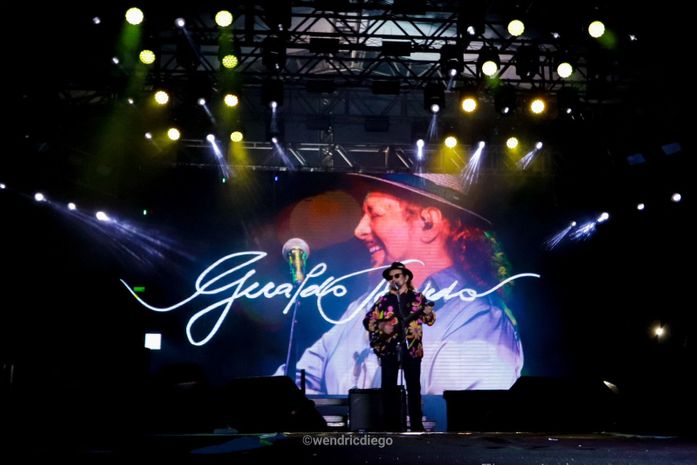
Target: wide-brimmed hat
point(445, 189)
point(397, 266)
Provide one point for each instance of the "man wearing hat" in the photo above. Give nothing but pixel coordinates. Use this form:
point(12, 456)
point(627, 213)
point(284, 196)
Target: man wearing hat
point(395, 328)
point(420, 220)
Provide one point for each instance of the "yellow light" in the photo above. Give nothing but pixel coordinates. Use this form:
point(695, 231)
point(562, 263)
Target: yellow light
point(489, 68)
point(134, 16)
point(231, 100)
point(564, 70)
point(147, 57)
point(236, 136)
point(229, 61)
point(596, 29)
point(512, 142)
point(161, 97)
point(537, 106)
point(516, 28)
point(450, 142)
point(469, 104)
point(223, 18)
point(173, 134)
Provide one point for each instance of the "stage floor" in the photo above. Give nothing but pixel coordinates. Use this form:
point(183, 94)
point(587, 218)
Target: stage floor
point(367, 448)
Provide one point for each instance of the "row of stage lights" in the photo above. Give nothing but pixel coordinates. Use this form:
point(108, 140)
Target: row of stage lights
point(451, 61)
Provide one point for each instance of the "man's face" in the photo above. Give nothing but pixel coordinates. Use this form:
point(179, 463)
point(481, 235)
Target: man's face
point(385, 229)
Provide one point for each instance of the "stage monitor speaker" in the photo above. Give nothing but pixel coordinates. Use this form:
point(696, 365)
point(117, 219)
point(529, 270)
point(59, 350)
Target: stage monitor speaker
point(269, 404)
point(377, 410)
point(563, 404)
point(481, 410)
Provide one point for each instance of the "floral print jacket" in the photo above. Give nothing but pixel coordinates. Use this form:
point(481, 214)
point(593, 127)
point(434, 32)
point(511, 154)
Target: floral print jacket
point(408, 323)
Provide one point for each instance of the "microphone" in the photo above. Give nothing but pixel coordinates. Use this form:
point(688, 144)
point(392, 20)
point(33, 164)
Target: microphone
point(296, 251)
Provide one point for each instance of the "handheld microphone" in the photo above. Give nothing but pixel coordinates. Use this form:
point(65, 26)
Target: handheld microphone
point(296, 251)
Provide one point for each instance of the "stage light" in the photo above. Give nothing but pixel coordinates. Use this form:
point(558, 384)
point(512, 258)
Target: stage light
point(39, 197)
point(450, 142)
point(131, 101)
point(210, 138)
point(567, 101)
point(527, 61)
point(434, 97)
point(228, 51)
point(451, 59)
point(659, 331)
point(229, 61)
point(72, 206)
point(604, 216)
point(512, 142)
point(115, 60)
point(223, 18)
point(538, 145)
point(145, 212)
point(469, 104)
point(231, 100)
point(148, 135)
point(537, 106)
point(101, 216)
point(180, 22)
point(97, 20)
point(173, 134)
point(505, 100)
point(516, 28)
point(134, 16)
point(202, 101)
point(420, 143)
point(676, 197)
point(596, 29)
point(3, 186)
point(640, 206)
point(273, 54)
point(236, 136)
point(272, 91)
point(147, 57)
point(161, 97)
point(488, 61)
point(564, 69)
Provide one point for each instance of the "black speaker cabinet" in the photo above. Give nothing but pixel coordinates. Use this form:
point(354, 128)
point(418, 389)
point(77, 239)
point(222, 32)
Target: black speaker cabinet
point(377, 409)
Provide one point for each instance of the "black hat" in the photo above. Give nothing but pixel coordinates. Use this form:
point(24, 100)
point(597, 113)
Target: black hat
point(397, 266)
point(446, 189)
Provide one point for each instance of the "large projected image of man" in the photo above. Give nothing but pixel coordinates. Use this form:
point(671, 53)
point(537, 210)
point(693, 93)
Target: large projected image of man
point(419, 219)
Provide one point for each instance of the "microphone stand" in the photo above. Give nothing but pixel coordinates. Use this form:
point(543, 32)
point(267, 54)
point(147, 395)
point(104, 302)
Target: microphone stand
point(399, 343)
point(291, 358)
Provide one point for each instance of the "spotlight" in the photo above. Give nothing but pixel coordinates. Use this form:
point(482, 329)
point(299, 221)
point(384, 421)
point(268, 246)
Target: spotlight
point(451, 59)
point(173, 134)
point(228, 51)
point(202, 101)
point(537, 106)
point(272, 91)
point(236, 136)
point(434, 97)
point(676, 197)
point(72, 206)
point(39, 197)
point(101, 216)
point(527, 61)
point(273, 53)
point(488, 61)
point(505, 100)
point(147, 57)
point(640, 206)
point(450, 142)
point(512, 142)
point(180, 22)
point(567, 100)
point(596, 29)
point(134, 16)
point(223, 18)
point(420, 143)
point(231, 100)
point(161, 97)
point(516, 28)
